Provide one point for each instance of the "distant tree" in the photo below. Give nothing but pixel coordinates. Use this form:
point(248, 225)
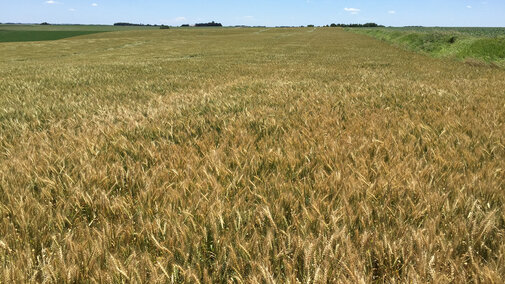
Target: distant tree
point(163, 27)
point(211, 24)
point(367, 25)
point(310, 26)
point(185, 25)
point(134, 25)
point(126, 24)
point(45, 24)
point(333, 25)
point(370, 25)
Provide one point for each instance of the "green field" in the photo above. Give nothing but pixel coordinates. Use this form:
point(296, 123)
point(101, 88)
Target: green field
point(17, 33)
point(16, 36)
point(248, 155)
point(482, 44)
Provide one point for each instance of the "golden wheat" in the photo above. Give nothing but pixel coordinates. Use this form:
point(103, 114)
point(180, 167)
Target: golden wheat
point(248, 155)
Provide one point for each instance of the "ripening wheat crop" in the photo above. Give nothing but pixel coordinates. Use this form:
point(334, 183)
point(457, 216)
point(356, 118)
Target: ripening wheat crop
point(248, 156)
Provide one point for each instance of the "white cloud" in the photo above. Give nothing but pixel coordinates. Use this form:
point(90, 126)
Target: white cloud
point(94, 5)
point(51, 2)
point(180, 19)
point(392, 12)
point(353, 11)
point(72, 10)
point(469, 7)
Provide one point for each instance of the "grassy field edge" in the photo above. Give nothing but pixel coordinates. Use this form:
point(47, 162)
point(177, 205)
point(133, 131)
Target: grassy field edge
point(477, 46)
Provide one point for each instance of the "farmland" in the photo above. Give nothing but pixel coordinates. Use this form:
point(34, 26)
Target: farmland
point(248, 155)
point(17, 33)
point(486, 45)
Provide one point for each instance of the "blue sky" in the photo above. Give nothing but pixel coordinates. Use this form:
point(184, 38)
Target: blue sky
point(258, 12)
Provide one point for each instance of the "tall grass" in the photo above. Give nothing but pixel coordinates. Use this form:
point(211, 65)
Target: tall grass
point(484, 44)
point(230, 155)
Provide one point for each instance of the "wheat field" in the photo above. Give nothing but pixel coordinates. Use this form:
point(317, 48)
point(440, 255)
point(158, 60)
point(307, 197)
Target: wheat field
point(307, 155)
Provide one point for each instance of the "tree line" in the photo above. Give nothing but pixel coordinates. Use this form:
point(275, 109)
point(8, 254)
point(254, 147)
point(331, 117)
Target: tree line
point(367, 25)
point(121, 24)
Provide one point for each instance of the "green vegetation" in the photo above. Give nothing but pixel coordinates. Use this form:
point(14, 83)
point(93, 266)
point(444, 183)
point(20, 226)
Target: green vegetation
point(485, 44)
point(13, 36)
point(94, 28)
point(18, 33)
point(468, 31)
point(248, 155)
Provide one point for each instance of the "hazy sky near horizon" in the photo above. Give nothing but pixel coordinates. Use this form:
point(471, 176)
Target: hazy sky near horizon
point(258, 12)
